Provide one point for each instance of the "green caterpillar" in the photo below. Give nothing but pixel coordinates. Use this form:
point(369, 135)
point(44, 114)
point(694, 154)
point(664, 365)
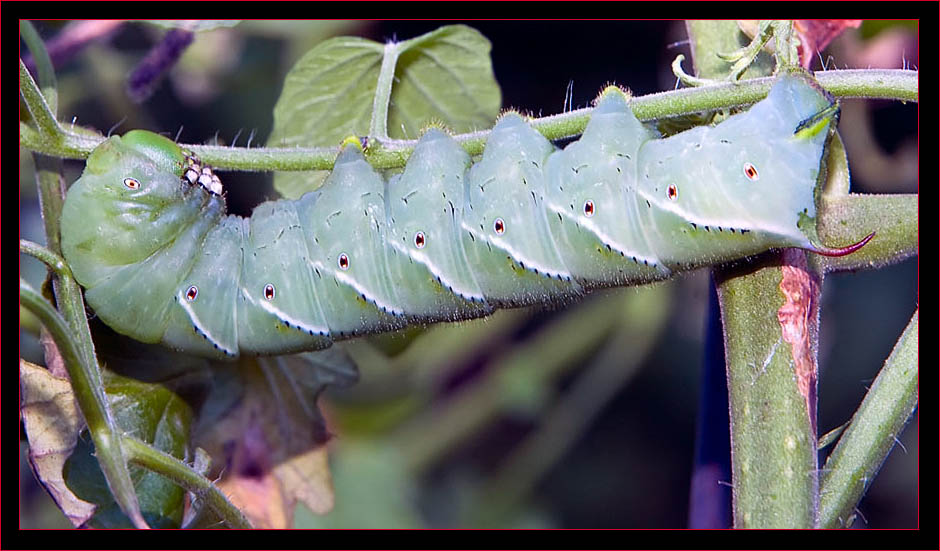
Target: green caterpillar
point(145, 229)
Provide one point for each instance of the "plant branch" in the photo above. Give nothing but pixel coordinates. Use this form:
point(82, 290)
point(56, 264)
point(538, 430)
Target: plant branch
point(893, 218)
point(89, 392)
point(43, 63)
point(49, 137)
point(46, 256)
point(773, 441)
point(36, 103)
point(378, 128)
point(138, 452)
point(896, 84)
point(872, 434)
point(172, 468)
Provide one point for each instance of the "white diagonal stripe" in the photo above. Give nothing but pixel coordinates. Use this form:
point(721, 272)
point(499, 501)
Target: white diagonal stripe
point(284, 316)
point(197, 323)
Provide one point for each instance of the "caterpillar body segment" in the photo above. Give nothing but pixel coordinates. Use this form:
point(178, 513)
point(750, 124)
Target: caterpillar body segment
point(146, 233)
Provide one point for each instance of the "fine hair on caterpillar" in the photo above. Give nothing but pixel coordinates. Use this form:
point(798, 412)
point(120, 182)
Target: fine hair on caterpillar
point(446, 239)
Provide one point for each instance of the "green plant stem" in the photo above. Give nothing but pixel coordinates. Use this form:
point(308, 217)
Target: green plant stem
point(49, 137)
point(89, 392)
point(69, 296)
point(71, 333)
point(81, 362)
point(36, 103)
point(110, 442)
point(785, 45)
point(67, 292)
point(897, 84)
point(111, 447)
point(172, 468)
point(893, 218)
point(882, 83)
point(773, 441)
point(872, 434)
point(378, 128)
point(709, 38)
point(49, 258)
point(42, 61)
point(773, 447)
point(57, 327)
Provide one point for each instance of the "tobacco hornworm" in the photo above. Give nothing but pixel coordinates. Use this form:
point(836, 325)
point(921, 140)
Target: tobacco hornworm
point(145, 229)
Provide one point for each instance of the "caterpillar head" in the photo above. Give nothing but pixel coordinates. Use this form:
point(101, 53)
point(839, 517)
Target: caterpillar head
point(129, 181)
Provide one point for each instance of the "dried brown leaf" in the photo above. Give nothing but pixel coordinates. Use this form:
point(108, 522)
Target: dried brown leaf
point(268, 443)
point(52, 420)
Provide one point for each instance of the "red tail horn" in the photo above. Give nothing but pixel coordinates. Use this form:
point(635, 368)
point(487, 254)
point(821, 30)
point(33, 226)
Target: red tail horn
point(826, 251)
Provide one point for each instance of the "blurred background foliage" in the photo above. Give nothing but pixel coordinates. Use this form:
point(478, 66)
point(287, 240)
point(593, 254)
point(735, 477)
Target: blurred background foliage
point(579, 415)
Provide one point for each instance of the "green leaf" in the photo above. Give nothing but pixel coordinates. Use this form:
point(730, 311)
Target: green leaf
point(444, 76)
point(154, 415)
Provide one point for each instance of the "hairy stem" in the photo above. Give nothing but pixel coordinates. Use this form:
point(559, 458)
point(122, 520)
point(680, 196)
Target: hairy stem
point(773, 441)
point(72, 332)
point(172, 468)
point(897, 84)
point(378, 128)
point(873, 432)
point(89, 392)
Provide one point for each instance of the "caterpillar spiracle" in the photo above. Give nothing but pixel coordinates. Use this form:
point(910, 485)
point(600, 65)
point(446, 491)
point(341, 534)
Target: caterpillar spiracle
point(145, 228)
